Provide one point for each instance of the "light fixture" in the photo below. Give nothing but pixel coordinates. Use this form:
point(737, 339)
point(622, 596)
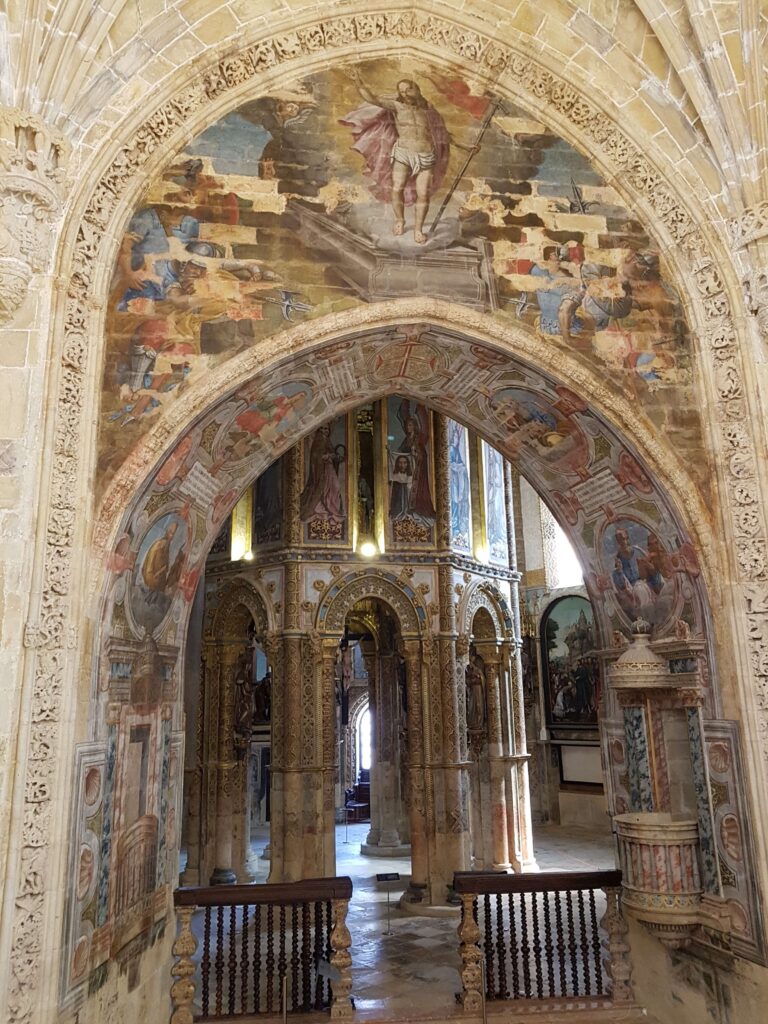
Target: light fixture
point(248, 556)
point(368, 549)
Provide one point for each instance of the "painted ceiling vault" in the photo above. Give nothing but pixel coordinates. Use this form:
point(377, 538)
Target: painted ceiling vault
point(375, 181)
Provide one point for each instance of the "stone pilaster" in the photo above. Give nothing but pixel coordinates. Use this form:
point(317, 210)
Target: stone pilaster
point(421, 811)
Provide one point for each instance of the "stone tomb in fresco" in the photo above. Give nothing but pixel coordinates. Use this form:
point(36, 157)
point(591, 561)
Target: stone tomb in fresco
point(372, 182)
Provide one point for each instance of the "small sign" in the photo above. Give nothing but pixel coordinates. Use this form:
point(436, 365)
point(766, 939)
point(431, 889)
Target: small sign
point(388, 876)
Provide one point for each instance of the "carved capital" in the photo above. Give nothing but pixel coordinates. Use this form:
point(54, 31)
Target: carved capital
point(32, 156)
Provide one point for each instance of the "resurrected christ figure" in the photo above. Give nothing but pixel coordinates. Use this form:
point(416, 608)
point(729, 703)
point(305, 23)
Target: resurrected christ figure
point(405, 145)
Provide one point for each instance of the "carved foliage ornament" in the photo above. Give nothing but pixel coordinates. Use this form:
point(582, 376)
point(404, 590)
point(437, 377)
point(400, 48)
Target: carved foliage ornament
point(492, 59)
point(32, 155)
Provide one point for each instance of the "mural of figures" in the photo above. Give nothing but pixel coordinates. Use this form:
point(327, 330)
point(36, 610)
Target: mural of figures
point(458, 461)
point(268, 505)
point(646, 578)
point(371, 182)
point(159, 565)
point(548, 430)
point(411, 509)
point(571, 668)
point(323, 502)
point(495, 505)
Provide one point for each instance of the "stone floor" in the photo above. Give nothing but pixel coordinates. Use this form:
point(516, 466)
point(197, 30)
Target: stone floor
point(406, 966)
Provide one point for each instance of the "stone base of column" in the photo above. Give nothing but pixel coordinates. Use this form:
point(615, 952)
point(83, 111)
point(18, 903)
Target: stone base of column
point(374, 850)
point(190, 877)
point(223, 876)
point(266, 853)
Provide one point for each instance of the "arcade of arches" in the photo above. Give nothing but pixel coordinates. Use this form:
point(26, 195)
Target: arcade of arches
point(324, 328)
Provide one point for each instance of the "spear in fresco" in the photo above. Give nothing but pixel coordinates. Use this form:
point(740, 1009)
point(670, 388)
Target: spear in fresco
point(489, 115)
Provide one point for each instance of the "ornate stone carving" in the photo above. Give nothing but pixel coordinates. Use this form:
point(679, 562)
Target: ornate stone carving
point(32, 173)
point(750, 225)
point(164, 129)
point(756, 296)
point(370, 583)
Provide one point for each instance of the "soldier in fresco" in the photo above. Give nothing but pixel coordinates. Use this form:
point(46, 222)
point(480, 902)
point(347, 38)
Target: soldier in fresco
point(406, 146)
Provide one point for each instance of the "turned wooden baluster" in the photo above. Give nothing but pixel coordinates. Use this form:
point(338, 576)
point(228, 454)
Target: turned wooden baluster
point(183, 969)
point(549, 950)
point(525, 946)
point(501, 949)
point(218, 966)
point(341, 960)
point(306, 960)
point(560, 943)
point(584, 944)
point(294, 956)
point(232, 991)
point(618, 965)
point(205, 963)
point(469, 949)
point(318, 951)
point(596, 958)
point(513, 946)
point(572, 948)
point(257, 959)
point(488, 948)
point(537, 945)
point(329, 918)
point(244, 963)
point(281, 960)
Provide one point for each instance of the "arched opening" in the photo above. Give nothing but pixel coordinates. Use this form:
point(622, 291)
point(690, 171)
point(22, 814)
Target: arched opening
point(574, 441)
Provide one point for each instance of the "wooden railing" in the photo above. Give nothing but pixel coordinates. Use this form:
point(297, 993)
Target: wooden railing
point(265, 949)
point(538, 936)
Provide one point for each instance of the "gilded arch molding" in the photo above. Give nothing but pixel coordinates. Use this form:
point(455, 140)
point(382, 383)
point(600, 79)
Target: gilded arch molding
point(346, 590)
point(237, 592)
point(714, 303)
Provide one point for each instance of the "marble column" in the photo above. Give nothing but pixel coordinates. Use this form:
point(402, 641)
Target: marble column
point(500, 781)
point(385, 780)
point(416, 751)
point(452, 825)
point(520, 843)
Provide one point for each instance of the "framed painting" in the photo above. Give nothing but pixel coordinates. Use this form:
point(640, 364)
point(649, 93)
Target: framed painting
point(572, 680)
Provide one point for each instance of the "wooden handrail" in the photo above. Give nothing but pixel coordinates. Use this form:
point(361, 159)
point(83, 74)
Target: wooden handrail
point(499, 882)
point(308, 890)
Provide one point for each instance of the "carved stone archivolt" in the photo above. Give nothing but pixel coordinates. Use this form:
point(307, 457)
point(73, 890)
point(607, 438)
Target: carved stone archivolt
point(346, 591)
point(78, 330)
point(485, 595)
point(32, 180)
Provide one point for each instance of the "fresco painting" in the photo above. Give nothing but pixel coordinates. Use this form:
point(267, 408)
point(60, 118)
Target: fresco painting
point(324, 501)
point(459, 487)
point(268, 505)
point(571, 667)
point(375, 181)
point(495, 505)
point(159, 566)
point(410, 459)
point(648, 579)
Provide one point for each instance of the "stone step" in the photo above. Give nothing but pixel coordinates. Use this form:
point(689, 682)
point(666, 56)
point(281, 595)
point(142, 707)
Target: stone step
point(520, 1011)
